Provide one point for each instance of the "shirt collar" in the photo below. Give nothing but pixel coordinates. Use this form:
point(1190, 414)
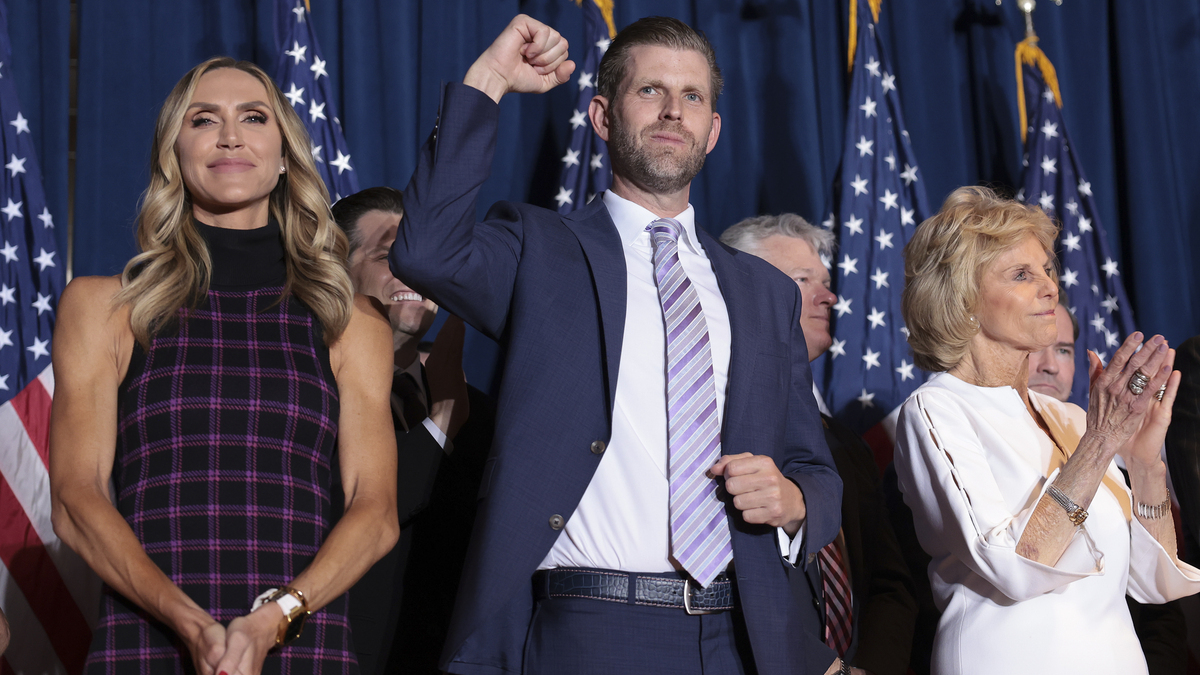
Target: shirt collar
point(414, 371)
point(631, 221)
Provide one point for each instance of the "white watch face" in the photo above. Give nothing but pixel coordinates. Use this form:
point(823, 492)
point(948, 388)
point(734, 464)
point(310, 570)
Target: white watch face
point(288, 603)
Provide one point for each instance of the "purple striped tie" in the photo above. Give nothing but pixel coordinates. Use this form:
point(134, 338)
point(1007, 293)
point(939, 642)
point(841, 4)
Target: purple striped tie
point(699, 529)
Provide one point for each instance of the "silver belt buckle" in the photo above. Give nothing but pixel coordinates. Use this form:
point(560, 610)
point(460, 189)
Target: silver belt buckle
point(687, 601)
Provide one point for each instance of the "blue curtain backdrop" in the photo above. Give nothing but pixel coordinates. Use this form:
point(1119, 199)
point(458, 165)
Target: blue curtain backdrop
point(1129, 73)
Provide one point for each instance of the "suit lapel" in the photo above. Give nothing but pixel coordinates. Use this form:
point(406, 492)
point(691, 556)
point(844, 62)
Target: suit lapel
point(601, 244)
point(734, 284)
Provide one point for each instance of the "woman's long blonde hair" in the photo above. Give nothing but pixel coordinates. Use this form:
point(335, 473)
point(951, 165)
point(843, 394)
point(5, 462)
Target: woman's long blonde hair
point(173, 269)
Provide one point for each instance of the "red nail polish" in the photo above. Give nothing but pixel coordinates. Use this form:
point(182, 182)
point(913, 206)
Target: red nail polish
point(224, 673)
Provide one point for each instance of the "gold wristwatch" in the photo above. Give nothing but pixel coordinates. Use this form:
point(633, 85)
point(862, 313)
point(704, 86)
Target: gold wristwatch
point(295, 611)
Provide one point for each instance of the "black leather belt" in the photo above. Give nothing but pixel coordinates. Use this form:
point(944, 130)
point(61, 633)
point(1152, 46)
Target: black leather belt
point(666, 590)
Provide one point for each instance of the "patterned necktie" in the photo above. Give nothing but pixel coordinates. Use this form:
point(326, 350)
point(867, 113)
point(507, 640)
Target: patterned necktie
point(699, 529)
point(838, 610)
point(411, 403)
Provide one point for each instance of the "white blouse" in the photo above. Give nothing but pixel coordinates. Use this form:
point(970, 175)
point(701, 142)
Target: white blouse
point(972, 464)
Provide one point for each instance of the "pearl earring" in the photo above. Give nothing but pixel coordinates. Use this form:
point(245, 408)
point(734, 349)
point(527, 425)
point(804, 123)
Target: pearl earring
point(283, 169)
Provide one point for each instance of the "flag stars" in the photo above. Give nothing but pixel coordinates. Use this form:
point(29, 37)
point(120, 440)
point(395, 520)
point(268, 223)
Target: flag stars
point(12, 209)
point(906, 216)
point(563, 197)
point(849, 265)
point(891, 161)
point(44, 259)
point(578, 119)
point(854, 224)
point(317, 152)
point(842, 307)
point(1097, 322)
point(1050, 129)
point(1110, 338)
point(316, 111)
point(1109, 303)
point(1095, 289)
point(863, 145)
point(318, 68)
point(909, 174)
point(597, 162)
point(297, 52)
point(9, 252)
point(880, 278)
point(585, 81)
point(6, 339)
point(889, 200)
point(1048, 95)
point(1070, 277)
point(1072, 207)
point(39, 348)
point(866, 399)
point(571, 158)
point(21, 124)
point(1071, 242)
point(7, 294)
point(868, 108)
point(16, 166)
point(876, 318)
point(885, 240)
point(871, 358)
point(1085, 188)
point(905, 370)
point(295, 95)
point(889, 82)
point(1110, 268)
point(860, 185)
point(298, 10)
point(838, 348)
point(1085, 224)
point(342, 162)
point(829, 222)
point(603, 44)
point(1049, 165)
point(1046, 201)
point(873, 66)
point(42, 304)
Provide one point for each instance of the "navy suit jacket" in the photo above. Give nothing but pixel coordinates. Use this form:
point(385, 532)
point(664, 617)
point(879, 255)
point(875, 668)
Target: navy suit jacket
point(551, 290)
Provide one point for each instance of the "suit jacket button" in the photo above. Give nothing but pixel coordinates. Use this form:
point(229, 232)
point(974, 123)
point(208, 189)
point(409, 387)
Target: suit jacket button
point(811, 558)
point(598, 447)
point(816, 604)
point(556, 522)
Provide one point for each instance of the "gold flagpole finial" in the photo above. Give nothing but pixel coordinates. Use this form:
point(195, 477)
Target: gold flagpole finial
point(875, 7)
point(606, 11)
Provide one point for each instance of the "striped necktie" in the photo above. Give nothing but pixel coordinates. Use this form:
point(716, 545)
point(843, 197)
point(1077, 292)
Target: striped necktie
point(839, 613)
point(700, 539)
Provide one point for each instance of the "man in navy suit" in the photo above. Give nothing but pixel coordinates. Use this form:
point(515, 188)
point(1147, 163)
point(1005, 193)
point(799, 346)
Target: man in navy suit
point(653, 379)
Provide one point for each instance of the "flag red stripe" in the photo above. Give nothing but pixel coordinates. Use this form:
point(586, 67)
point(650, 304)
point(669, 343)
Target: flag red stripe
point(33, 407)
point(877, 438)
point(35, 574)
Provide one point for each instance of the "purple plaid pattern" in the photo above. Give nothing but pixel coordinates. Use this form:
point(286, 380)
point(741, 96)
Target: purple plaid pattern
point(699, 529)
point(226, 432)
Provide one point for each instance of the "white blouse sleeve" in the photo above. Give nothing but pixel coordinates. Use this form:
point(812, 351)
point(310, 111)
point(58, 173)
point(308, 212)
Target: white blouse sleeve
point(958, 508)
point(1154, 577)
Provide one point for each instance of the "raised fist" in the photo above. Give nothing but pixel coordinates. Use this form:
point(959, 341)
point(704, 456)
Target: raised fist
point(527, 57)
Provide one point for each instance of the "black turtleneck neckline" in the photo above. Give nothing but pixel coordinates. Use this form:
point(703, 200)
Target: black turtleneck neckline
point(245, 259)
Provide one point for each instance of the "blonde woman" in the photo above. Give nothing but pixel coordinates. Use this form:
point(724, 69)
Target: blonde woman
point(215, 382)
point(1034, 534)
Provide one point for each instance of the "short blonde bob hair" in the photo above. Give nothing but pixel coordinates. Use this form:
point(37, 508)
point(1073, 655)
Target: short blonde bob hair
point(943, 264)
point(173, 269)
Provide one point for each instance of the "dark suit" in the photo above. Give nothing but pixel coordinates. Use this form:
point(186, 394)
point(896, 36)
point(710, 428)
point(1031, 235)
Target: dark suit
point(884, 608)
point(1183, 446)
point(551, 290)
point(400, 609)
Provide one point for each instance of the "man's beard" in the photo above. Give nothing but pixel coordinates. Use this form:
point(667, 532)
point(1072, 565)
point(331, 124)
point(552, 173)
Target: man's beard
point(660, 170)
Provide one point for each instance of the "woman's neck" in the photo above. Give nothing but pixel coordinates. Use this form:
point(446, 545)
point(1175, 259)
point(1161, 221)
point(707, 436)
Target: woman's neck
point(247, 218)
point(988, 364)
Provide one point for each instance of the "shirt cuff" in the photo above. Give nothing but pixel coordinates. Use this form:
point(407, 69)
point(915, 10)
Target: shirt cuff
point(438, 436)
point(789, 547)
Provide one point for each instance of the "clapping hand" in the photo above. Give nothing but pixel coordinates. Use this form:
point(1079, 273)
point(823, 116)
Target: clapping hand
point(527, 57)
point(1118, 414)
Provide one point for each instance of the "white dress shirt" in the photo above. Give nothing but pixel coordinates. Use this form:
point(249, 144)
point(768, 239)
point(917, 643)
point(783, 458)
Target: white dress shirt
point(973, 464)
point(414, 370)
point(623, 520)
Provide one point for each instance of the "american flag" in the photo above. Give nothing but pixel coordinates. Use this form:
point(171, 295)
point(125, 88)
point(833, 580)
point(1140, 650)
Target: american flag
point(585, 170)
point(1054, 180)
point(870, 369)
point(50, 596)
point(301, 74)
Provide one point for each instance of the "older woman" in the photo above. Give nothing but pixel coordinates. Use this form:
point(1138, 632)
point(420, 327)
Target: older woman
point(215, 382)
point(1034, 535)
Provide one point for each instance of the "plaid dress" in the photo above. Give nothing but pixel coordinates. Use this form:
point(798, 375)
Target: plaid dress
point(226, 432)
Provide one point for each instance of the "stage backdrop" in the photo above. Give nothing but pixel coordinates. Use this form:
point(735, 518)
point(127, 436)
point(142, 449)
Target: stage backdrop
point(1128, 73)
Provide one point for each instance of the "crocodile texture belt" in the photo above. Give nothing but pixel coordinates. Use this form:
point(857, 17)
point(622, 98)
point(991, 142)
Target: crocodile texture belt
point(635, 589)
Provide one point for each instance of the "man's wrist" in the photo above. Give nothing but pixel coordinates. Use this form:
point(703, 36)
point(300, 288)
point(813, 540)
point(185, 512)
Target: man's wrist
point(483, 78)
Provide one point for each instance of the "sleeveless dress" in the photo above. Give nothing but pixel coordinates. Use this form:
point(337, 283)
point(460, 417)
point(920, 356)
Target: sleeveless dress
point(226, 434)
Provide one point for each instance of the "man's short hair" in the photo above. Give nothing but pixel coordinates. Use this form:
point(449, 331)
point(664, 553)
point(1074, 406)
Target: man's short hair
point(659, 31)
point(748, 234)
point(1074, 321)
point(347, 210)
